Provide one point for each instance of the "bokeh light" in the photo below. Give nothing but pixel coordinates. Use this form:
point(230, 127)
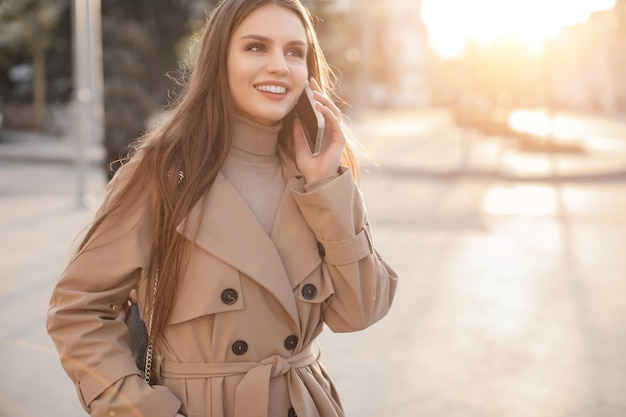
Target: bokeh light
point(451, 22)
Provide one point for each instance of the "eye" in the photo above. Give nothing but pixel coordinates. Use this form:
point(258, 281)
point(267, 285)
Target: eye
point(296, 52)
point(255, 47)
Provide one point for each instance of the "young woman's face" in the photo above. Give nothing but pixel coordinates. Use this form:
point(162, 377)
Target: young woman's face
point(267, 67)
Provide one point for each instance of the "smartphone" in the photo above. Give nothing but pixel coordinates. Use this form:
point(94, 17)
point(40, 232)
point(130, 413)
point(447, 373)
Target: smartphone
point(311, 120)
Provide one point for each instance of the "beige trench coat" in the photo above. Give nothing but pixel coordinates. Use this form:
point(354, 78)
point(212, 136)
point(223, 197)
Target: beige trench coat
point(241, 338)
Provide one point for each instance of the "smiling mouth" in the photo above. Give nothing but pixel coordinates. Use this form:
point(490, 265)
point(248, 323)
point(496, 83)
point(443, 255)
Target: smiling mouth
point(275, 89)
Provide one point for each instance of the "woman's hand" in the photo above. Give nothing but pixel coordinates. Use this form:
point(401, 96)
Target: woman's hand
point(329, 158)
point(125, 306)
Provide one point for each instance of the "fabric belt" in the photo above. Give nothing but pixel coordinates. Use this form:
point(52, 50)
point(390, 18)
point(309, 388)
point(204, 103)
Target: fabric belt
point(256, 382)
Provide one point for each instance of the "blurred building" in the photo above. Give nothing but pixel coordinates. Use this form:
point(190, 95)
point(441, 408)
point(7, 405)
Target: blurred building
point(395, 53)
point(410, 53)
point(588, 64)
point(381, 48)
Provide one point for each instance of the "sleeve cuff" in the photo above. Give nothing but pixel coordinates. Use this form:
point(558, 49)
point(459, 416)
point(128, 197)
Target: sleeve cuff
point(123, 392)
point(334, 212)
point(315, 185)
point(101, 378)
point(350, 250)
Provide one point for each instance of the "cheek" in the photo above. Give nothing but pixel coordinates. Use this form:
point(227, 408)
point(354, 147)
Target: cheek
point(300, 76)
point(236, 82)
point(235, 67)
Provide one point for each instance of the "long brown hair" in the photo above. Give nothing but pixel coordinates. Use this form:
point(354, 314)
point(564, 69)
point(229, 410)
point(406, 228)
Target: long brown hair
point(195, 139)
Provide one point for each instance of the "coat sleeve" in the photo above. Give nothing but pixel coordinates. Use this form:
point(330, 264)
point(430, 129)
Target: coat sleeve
point(364, 284)
point(84, 323)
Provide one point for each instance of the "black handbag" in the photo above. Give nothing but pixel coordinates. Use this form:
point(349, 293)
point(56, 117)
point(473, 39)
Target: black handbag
point(140, 342)
point(138, 334)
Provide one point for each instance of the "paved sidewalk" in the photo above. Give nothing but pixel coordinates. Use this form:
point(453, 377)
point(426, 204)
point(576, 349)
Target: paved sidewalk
point(405, 140)
point(33, 147)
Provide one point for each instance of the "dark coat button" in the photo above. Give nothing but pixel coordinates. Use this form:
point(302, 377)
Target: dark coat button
point(321, 250)
point(229, 296)
point(291, 342)
point(309, 291)
point(292, 413)
point(240, 347)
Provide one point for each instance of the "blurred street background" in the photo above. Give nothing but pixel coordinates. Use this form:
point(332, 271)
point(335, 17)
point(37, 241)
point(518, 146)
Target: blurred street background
point(494, 159)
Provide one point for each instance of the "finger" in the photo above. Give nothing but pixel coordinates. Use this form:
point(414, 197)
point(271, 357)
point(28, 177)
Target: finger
point(321, 97)
point(326, 101)
point(314, 85)
point(333, 124)
point(328, 113)
point(317, 90)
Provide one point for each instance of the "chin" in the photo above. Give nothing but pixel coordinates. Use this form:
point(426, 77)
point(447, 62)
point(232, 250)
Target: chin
point(272, 119)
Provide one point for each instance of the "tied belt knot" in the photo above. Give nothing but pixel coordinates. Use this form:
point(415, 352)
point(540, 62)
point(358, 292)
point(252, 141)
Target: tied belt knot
point(280, 365)
point(256, 381)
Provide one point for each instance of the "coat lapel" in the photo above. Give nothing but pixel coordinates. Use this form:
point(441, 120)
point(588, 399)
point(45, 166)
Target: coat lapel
point(293, 238)
point(229, 231)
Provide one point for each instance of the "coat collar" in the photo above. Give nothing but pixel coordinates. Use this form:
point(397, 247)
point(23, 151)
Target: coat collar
point(229, 231)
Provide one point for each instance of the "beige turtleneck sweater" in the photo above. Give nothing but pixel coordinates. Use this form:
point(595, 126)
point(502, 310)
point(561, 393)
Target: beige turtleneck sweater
point(253, 168)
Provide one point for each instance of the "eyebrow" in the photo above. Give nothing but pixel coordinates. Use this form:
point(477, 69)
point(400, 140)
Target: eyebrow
point(269, 40)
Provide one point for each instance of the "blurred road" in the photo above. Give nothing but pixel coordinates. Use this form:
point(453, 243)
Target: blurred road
point(512, 266)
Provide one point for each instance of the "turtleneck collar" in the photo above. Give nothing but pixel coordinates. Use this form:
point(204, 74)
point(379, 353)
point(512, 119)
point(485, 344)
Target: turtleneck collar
point(254, 138)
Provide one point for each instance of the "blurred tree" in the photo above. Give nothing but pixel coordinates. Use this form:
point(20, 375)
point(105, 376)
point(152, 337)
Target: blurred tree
point(29, 25)
point(128, 100)
point(140, 40)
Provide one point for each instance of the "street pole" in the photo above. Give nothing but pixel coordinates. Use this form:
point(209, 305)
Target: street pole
point(87, 101)
point(466, 111)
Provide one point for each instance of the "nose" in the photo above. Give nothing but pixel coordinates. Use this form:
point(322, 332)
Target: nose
point(277, 64)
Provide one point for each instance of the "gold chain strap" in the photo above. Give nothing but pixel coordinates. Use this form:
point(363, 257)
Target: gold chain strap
point(150, 348)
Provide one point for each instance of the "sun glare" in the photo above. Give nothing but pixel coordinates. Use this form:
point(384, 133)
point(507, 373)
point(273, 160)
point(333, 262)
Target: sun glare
point(451, 23)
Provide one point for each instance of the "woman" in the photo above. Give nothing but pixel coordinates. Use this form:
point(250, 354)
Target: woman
point(239, 243)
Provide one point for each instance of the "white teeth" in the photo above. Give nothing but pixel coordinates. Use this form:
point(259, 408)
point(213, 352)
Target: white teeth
point(272, 89)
